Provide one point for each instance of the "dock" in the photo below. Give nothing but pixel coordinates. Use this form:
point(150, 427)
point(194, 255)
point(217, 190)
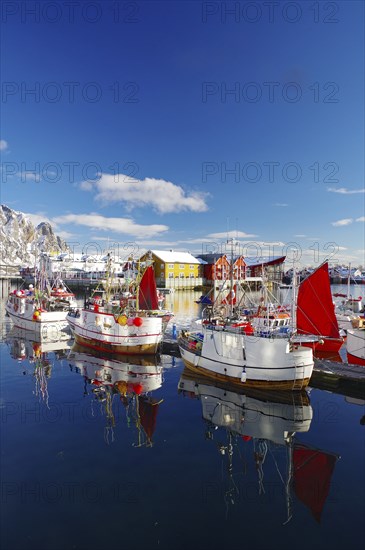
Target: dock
point(339, 378)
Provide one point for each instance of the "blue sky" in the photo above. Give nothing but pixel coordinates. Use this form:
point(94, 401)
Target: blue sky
point(169, 124)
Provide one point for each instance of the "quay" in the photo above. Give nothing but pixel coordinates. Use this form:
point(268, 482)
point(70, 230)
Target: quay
point(339, 378)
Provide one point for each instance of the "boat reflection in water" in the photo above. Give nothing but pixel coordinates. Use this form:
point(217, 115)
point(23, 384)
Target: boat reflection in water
point(259, 426)
point(40, 349)
point(124, 379)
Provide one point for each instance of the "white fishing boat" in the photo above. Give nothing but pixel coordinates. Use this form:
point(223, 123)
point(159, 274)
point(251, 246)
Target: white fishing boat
point(122, 322)
point(227, 354)
point(43, 306)
point(248, 352)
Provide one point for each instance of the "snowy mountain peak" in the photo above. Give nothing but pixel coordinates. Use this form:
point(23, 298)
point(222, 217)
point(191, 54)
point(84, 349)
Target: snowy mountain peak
point(21, 241)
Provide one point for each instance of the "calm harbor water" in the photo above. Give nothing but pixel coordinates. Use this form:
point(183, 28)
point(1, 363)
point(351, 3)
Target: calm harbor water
point(99, 453)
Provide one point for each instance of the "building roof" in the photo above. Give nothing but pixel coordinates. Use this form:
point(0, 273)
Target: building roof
point(210, 258)
point(169, 256)
point(264, 260)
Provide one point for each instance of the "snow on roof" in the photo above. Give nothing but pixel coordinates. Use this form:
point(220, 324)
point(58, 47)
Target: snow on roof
point(263, 260)
point(169, 256)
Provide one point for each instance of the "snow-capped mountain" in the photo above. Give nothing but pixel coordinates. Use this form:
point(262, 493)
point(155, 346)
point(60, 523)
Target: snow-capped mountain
point(21, 241)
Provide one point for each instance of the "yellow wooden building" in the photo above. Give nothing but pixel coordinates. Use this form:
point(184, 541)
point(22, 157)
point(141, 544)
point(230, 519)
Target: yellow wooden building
point(175, 269)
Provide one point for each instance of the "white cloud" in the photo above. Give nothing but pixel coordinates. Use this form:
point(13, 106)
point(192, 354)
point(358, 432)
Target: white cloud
point(303, 236)
point(38, 218)
point(230, 235)
point(117, 225)
point(362, 219)
point(163, 196)
point(281, 204)
point(345, 191)
point(3, 145)
point(64, 235)
point(345, 221)
point(29, 176)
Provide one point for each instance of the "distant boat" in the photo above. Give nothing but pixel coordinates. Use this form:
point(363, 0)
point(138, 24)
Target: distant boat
point(204, 300)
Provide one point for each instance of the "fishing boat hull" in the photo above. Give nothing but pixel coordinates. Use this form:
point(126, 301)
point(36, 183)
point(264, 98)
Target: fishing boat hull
point(248, 361)
point(101, 331)
point(356, 346)
point(46, 322)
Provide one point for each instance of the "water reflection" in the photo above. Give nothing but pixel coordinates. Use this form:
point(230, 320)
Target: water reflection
point(40, 350)
point(258, 429)
point(127, 380)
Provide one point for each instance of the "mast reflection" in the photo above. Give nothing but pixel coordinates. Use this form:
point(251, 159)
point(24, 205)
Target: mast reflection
point(126, 380)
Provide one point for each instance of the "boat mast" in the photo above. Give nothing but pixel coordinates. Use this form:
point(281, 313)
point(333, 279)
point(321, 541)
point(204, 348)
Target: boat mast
point(349, 282)
point(294, 300)
point(231, 291)
point(108, 282)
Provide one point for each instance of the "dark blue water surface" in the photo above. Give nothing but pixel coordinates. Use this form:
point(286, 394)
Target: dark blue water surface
point(90, 460)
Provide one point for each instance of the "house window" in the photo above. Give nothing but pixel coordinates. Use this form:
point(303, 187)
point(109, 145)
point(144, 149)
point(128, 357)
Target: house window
point(182, 266)
point(191, 267)
point(191, 275)
point(181, 275)
point(162, 266)
point(171, 266)
point(171, 275)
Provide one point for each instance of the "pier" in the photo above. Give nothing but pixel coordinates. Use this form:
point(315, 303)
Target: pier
point(339, 378)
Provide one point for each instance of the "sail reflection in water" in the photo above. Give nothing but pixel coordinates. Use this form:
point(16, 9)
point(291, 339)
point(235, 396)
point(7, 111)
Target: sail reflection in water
point(260, 425)
point(40, 349)
point(129, 381)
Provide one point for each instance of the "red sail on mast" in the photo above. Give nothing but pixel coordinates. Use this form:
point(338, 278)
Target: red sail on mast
point(315, 310)
point(312, 477)
point(147, 290)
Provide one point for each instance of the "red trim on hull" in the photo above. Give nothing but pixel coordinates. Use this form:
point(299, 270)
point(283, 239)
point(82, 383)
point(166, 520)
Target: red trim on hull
point(355, 360)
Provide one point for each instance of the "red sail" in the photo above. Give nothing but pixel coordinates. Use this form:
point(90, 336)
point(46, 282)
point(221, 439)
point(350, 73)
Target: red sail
point(148, 291)
point(315, 310)
point(312, 477)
